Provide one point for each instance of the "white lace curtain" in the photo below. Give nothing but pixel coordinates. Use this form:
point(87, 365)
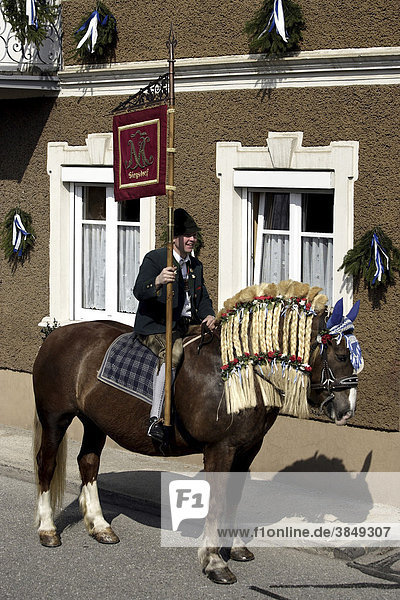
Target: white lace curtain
point(317, 252)
point(317, 263)
point(275, 258)
point(128, 267)
point(94, 267)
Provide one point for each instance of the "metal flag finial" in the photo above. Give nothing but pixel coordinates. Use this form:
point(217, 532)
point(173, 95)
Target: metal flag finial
point(171, 42)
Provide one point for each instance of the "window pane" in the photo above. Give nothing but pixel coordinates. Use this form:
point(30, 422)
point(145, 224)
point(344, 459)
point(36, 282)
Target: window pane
point(128, 267)
point(276, 211)
point(93, 266)
point(129, 211)
point(317, 213)
point(275, 258)
point(317, 263)
point(94, 203)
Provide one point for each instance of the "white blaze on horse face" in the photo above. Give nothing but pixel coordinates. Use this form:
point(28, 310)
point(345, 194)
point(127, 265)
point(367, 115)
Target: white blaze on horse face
point(353, 399)
point(91, 508)
point(44, 515)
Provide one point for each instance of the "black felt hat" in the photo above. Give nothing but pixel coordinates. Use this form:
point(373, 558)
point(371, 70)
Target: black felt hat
point(184, 224)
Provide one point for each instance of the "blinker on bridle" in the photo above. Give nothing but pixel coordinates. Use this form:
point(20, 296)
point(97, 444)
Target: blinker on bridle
point(329, 383)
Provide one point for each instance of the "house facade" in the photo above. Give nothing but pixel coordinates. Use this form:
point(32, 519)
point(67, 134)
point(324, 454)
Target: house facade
point(284, 162)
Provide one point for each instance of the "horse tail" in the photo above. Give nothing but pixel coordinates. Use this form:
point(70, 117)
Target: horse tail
point(57, 484)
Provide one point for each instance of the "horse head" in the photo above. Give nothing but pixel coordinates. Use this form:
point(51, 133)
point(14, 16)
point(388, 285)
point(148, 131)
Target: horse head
point(336, 360)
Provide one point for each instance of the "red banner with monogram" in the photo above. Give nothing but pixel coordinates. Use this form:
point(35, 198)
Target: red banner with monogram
point(140, 144)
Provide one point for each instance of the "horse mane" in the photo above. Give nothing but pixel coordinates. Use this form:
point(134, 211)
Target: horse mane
point(266, 330)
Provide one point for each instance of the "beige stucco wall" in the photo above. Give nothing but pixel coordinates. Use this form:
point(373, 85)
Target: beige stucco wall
point(368, 114)
point(143, 27)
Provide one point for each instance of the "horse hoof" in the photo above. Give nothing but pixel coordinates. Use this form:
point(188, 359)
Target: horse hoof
point(50, 539)
point(242, 554)
point(223, 576)
point(107, 536)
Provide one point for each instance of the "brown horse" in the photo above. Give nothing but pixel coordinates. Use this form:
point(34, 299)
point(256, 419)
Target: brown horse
point(66, 385)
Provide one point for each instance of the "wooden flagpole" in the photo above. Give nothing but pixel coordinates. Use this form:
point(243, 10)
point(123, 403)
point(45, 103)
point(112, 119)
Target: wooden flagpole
point(171, 43)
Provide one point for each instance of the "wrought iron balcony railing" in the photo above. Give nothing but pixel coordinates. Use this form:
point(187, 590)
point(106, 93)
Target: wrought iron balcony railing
point(29, 59)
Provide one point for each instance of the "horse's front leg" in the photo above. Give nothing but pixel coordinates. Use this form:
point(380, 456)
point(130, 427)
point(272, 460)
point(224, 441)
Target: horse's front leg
point(217, 463)
point(88, 461)
point(240, 467)
point(93, 517)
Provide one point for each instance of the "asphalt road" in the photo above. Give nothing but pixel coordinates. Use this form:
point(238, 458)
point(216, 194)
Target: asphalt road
point(138, 568)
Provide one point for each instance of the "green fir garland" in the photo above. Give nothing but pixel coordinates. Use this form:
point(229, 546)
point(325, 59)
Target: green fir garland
point(7, 235)
point(359, 261)
point(14, 11)
point(106, 35)
point(270, 42)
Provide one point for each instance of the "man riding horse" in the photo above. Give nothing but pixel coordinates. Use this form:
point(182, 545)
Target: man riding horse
point(191, 305)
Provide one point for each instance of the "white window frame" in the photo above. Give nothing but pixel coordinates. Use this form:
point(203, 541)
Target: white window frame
point(283, 165)
point(68, 166)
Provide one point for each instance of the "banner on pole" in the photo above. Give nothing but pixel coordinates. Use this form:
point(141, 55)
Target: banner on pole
point(140, 144)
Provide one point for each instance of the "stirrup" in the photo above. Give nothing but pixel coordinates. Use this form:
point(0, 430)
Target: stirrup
point(156, 429)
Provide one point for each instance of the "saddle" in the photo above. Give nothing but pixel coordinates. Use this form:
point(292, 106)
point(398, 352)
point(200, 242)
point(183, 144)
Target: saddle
point(129, 366)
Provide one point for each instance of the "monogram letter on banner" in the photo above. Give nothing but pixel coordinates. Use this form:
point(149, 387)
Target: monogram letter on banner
point(140, 142)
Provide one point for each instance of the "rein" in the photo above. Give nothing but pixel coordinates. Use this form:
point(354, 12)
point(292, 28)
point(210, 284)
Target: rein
point(329, 383)
point(206, 337)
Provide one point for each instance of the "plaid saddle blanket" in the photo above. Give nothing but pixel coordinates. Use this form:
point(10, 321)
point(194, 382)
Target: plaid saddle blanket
point(129, 366)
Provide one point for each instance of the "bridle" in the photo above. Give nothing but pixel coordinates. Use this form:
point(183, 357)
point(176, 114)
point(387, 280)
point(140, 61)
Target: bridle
point(329, 383)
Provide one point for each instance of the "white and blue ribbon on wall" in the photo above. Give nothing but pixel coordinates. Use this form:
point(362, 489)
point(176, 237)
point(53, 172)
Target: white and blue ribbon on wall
point(91, 33)
point(17, 233)
point(277, 19)
point(30, 9)
point(380, 256)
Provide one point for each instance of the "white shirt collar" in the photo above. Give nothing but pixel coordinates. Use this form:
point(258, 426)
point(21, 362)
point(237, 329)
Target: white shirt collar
point(179, 258)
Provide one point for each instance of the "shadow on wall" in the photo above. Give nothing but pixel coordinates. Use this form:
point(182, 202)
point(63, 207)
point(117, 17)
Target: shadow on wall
point(22, 124)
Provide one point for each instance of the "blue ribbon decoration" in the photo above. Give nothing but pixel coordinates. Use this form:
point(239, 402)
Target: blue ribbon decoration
point(86, 23)
point(95, 13)
point(91, 25)
point(30, 11)
point(18, 231)
point(277, 19)
point(377, 249)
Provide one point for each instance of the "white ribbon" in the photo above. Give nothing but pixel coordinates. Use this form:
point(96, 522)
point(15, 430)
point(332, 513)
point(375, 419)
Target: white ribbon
point(18, 231)
point(278, 19)
point(30, 9)
point(91, 32)
point(378, 250)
